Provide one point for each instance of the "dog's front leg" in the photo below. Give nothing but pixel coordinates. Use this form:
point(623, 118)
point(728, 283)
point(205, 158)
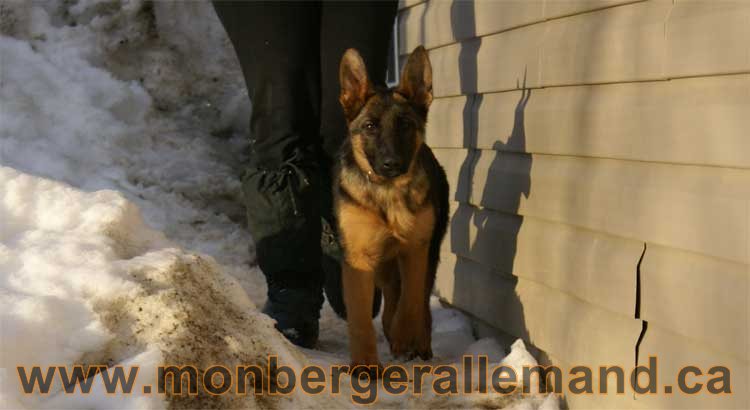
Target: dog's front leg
point(359, 286)
point(363, 236)
point(410, 331)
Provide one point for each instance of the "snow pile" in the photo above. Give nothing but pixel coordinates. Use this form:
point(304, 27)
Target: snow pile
point(85, 281)
point(77, 94)
point(95, 95)
point(517, 359)
point(128, 96)
point(122, 127)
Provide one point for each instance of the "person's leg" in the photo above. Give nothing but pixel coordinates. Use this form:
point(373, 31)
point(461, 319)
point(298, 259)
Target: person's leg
point(366, 26)
point(277, 45)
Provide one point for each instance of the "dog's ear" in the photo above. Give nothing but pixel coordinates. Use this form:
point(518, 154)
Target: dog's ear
point(355, 86)
point(416, 79)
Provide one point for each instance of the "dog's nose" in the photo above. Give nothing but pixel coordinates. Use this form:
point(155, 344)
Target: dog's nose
point(391, 164)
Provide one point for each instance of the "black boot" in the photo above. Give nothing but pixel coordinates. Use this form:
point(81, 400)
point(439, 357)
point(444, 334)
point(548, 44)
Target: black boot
point(296, 311)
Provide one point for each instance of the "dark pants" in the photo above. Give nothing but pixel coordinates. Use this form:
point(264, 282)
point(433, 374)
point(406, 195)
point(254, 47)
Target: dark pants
point(290, 53)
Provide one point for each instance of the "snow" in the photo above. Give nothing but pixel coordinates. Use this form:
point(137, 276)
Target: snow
point(86, 281)
point(122, 129)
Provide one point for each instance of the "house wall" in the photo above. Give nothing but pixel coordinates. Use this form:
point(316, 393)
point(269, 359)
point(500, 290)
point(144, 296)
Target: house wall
point(599, 158)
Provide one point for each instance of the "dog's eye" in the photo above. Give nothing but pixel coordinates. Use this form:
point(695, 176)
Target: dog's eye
point(370, 126)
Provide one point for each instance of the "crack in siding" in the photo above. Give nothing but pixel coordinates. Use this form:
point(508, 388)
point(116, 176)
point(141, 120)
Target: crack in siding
point(638, 305)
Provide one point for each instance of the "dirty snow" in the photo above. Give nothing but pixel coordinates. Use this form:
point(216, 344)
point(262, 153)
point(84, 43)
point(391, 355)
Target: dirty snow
point(122, 130)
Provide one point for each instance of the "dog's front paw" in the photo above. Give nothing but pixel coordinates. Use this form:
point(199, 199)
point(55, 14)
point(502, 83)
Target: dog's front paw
point(423, 348)
point(398, 346)
point(399, 337)
point(410, 341)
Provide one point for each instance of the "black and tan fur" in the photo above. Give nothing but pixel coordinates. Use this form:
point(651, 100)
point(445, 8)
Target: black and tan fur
point(391, 199)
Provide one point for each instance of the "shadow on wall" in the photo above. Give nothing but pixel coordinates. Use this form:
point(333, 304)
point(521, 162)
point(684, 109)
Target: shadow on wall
point(488, 292)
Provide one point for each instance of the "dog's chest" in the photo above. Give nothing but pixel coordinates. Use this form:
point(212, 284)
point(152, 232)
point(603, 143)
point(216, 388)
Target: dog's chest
point(402, 211)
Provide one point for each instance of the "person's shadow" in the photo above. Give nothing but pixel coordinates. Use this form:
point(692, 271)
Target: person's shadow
point(484, 234)
point(484, 229)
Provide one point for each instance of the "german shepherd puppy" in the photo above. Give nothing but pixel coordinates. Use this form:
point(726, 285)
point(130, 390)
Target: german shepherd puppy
point(391, 200)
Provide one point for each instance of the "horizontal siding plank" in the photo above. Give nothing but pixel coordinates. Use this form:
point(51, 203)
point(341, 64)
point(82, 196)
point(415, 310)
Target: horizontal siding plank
point(708, 37)
point(697, 297)
point(551, 320)
point(438, 23)
point(402, 4)
point(559, 8)
point(457, 164)
point(617, 44)
point(500, 62)
point(700, 121)
point(494, 16)
point(700, 209)
point(600, 269)
point(434, 24)
point(673, 352)
point(564, 51)
point(449, 121)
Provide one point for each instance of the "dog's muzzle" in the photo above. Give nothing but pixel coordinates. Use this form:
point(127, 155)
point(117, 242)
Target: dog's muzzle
point(390, 167)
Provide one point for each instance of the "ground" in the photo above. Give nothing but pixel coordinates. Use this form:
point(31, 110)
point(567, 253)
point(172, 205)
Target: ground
point(122, 130)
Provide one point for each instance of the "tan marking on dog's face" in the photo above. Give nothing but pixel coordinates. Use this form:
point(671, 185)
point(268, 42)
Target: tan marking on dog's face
point(361, 159)
point(399, 98)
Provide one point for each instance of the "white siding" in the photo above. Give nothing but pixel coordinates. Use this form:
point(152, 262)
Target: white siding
point(613, 193)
